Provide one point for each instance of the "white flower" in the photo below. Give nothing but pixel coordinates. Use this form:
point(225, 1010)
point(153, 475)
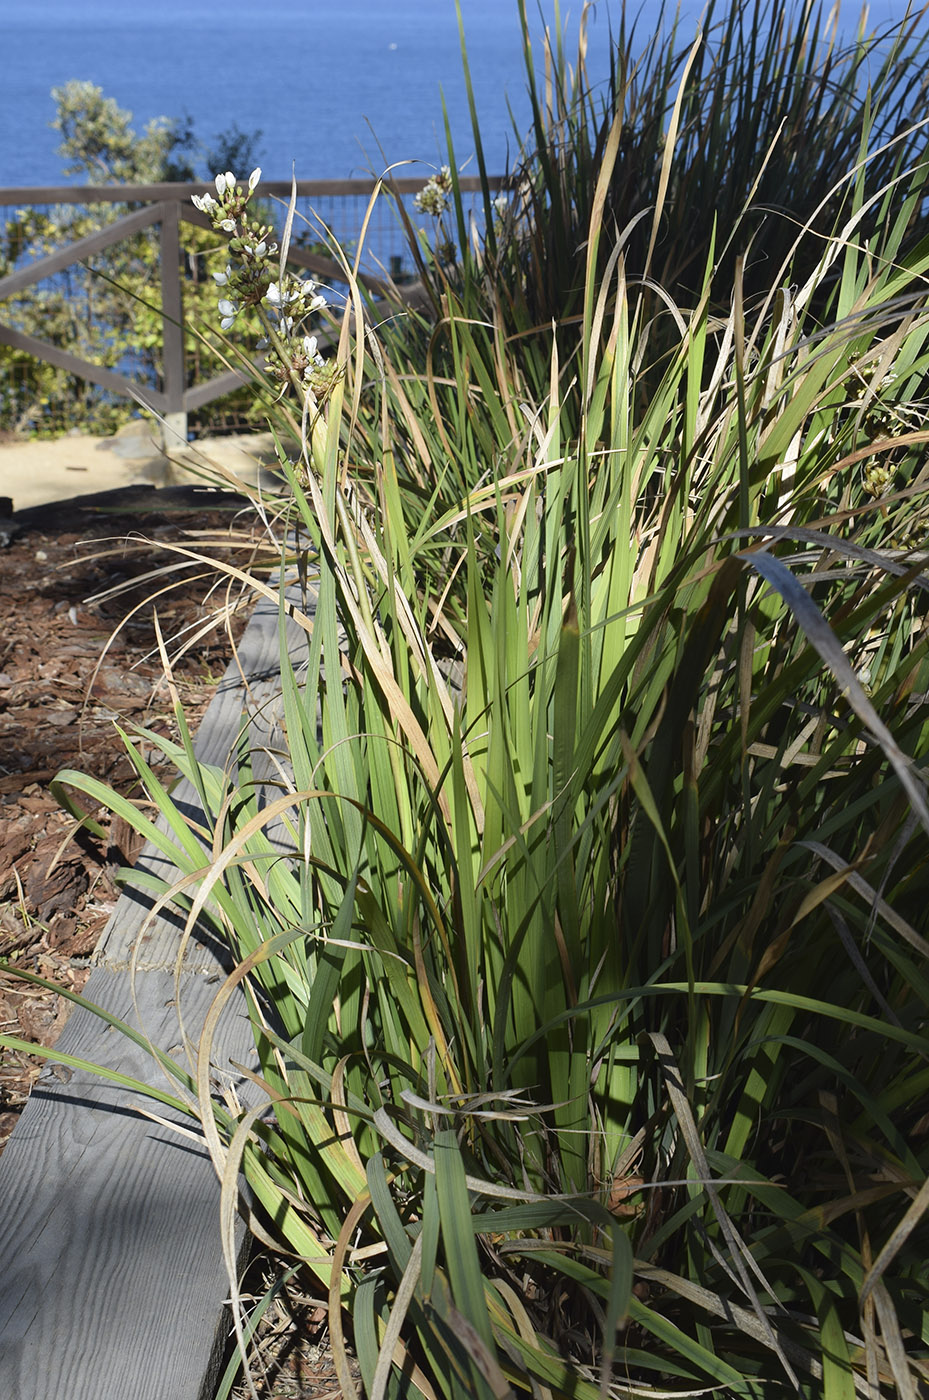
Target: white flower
point(221, 278)
point(434, 197)
point(254, 178)
point(220, 185)
point(227, 225)
point(228, 310)
point(287, 325)
point(277, 297)
point(501, 204)
point(203, 202)
point(304, 294)
point(298, 295)
point(311, 351)
point(313, 357)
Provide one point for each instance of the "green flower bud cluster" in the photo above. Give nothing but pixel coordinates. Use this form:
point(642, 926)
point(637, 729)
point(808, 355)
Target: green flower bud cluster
point(908, 537)
point(877, 478)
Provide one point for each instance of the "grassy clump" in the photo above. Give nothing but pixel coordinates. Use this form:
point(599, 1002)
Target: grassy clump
point(592, 1003)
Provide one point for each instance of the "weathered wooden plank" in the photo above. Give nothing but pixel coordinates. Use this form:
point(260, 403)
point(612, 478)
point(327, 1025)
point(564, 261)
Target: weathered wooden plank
point(112, 1279)
point(258, 658)
point(111, 1274)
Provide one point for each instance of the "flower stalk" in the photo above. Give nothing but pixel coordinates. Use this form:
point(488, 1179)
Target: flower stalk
point(283, 300)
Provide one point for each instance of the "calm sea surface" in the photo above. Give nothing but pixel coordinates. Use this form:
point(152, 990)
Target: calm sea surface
point(338, 87)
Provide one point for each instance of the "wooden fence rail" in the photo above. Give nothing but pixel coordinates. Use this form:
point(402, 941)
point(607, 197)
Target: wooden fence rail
point(168, 205)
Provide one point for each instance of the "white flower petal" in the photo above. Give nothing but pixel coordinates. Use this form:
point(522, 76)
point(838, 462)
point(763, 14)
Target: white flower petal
point(220, 185)
point(254, 178)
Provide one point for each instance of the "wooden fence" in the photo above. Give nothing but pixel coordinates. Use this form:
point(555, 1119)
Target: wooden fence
point(167, 205)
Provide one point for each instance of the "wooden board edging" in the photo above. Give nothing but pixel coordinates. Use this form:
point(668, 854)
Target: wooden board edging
point(112, 1281)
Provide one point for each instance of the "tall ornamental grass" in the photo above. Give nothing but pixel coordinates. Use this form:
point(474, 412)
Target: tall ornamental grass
point(591, 996)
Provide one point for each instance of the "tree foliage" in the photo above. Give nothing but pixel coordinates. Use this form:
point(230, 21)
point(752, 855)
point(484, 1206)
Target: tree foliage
point(106, 311)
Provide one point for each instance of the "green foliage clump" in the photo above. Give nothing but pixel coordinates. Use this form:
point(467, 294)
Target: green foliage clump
point(776, 124)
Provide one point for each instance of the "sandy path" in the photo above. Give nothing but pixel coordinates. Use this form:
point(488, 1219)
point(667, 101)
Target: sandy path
point(35, 472)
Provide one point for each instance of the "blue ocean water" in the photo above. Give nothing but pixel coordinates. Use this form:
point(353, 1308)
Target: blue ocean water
point(330, 84)
point(339, 87)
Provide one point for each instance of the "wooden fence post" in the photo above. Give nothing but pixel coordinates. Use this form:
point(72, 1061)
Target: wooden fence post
point(174, 430)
